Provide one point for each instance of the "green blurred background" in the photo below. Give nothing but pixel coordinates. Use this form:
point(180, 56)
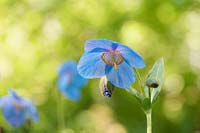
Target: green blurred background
point(36, 36)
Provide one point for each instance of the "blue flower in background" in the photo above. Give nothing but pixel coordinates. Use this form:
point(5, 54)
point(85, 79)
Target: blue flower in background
point(69, 81)
point(17, 110)
point(115, 60)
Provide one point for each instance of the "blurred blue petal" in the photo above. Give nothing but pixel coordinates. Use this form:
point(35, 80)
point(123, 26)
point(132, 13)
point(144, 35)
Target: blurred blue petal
point(123, 77)
point(79, 81)
point(15, 117)
point(16, 109)
point(69, 81)
point(33, 111)
point(70, 90)
point(91, 65)
point(13, 93)
point(64, 82)
point(67, 67)
point(72, 93)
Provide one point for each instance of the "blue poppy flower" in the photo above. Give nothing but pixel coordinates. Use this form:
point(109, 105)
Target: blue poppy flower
point(69, 81)
point(17, 110)
point(115, 60)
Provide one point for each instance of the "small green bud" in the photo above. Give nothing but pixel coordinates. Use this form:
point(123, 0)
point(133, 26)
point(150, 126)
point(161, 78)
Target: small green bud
point(106, 87)
point(152, 83)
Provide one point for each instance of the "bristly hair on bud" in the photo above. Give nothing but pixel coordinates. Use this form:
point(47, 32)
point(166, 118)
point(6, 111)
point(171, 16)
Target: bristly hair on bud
point(106, 88)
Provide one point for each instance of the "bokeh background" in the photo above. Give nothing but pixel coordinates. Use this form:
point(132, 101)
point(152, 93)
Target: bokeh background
point(36, 36)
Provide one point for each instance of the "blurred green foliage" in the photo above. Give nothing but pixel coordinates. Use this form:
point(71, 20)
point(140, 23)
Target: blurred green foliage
point(36, 36)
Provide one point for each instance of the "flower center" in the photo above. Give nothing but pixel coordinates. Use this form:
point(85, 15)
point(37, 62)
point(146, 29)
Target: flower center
point(112, 58)
point(18, 106)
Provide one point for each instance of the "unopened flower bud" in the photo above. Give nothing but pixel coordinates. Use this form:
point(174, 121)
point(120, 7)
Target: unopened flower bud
point(152, 83)
point(106, 87)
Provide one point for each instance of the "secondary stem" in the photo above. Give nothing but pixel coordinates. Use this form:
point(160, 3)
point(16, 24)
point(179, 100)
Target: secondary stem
point(149, 124)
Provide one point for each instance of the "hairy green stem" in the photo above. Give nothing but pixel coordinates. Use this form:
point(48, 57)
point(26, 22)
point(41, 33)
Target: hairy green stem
point(149, 122)
point(148, 115)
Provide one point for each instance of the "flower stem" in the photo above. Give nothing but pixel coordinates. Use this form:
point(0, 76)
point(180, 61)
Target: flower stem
point(148, 115)
point(149, 124)
point(60, 111)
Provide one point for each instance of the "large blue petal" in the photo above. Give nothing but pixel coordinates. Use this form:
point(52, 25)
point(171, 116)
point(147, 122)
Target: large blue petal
point(123, 77)
point(102, 43)
point(91, 65)
point(132, 58)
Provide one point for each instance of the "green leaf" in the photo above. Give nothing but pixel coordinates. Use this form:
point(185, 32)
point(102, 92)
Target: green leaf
point(155, 79)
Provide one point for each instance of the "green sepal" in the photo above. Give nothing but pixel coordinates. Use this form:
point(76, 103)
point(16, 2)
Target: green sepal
point(146, 104)
point(136, 93)
point(155, 79)
point(146, 91)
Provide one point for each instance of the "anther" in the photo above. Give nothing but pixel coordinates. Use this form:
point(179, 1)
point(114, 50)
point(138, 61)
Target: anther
point(112, 58)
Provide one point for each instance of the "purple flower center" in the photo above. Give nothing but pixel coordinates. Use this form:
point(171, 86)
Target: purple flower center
point(112, 58)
